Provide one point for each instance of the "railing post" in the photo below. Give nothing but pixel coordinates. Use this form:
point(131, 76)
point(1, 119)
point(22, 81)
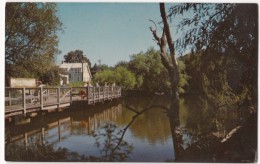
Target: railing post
point(88, 94)
point(70, 96)
point(112, 92)
point(24, 101)
point(58, 97)
point(42, 135)
point(41, 97)
point(9, 95)
point(94, 94)
point(26, 141)
point(105, 93)
point(59, 131)
point(98, 93)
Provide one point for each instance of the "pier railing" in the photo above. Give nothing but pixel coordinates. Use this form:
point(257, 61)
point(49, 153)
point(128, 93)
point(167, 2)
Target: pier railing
point(24, 100)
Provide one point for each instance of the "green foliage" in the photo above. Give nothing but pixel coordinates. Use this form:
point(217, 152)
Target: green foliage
point(99, 67)
point(51, 76)
point(76, 57)
point(122, 63)
point(30, 38)
point(104, 76)
point(120, 75)
point(224, 38)
point(150, 73)
point(124, 77)
point(183, 83)
point(76, 84)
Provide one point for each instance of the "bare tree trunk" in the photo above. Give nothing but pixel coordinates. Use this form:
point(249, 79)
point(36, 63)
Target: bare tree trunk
point(171, 65)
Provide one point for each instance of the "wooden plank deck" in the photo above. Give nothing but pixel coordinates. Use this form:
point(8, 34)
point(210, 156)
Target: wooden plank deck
point(19, 101)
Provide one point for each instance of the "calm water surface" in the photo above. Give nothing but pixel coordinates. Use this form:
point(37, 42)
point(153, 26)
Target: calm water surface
point(112, 131)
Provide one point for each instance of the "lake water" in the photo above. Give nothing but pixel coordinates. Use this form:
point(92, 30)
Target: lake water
point(113, 131)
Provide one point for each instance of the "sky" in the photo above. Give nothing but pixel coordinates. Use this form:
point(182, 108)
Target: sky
point(109, 32)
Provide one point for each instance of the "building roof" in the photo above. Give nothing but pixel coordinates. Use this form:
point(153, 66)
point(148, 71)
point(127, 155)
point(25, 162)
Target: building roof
point(72, 65)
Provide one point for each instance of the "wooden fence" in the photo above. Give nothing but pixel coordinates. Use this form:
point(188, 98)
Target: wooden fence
point(26, 100)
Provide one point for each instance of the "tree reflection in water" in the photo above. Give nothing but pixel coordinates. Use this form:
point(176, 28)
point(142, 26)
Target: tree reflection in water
point(109, 139)
point(39, 152)
point(198, 124)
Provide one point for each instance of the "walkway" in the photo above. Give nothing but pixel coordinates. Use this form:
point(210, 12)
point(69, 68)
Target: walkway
point(19, 101)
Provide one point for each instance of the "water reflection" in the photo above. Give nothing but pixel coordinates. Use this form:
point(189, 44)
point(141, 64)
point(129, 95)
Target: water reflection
point(111, 134)
point(138, 129)
point(109, 139)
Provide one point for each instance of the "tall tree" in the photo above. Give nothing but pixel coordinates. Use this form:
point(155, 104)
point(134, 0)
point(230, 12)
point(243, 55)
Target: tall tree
point(171, 63)
point(76, 57)
point(30, 38)
point(226, 36)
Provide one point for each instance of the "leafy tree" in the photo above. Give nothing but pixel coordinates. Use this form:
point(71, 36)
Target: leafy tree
point(30, 38)
point(104, 76)
point(76, 57)
point(120, 75)
point(122, 63)
point(151, 75)
point(227, 37)
point(124, 77)
point(51, 76)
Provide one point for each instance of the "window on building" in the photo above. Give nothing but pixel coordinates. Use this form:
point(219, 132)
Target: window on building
point(77, 70)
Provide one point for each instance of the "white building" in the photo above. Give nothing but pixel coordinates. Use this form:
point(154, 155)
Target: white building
point(75, 72)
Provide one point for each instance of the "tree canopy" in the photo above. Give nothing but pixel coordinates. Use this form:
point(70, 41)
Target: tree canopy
point(30, 38)
point(225, 36)
point(120, 75)
point(76, 57)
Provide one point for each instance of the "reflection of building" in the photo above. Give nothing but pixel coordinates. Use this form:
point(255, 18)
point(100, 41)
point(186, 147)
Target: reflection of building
point(73, 72)
point(56, 130)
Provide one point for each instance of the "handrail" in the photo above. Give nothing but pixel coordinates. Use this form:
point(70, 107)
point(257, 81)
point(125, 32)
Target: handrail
point(21, 99)
point(64, 95)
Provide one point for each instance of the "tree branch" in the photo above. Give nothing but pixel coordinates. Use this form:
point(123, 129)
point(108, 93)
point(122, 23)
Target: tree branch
point(156, 37)
point(134, 118)
point(173, 67)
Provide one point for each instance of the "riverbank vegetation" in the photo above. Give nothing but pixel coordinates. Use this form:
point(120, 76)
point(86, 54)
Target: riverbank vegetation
point(146, 73)
point(220, 68)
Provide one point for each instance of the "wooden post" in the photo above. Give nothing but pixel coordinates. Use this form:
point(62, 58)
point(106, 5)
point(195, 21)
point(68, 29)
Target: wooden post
point(99, 94)
point(59, 130)
point(9, 95)
point(106, 93)
point(94, 95)
point(42, 136)
point(41, 97)
point(112, 92)
point(88, 94)
point(24, 101)
point(58, 97)
point(70, 96)
point(26, 141)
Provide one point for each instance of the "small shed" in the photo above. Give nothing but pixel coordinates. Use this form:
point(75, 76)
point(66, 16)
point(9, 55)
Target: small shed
point(22, 82)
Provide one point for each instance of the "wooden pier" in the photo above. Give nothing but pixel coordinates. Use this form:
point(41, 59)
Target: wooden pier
point(20, 101)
